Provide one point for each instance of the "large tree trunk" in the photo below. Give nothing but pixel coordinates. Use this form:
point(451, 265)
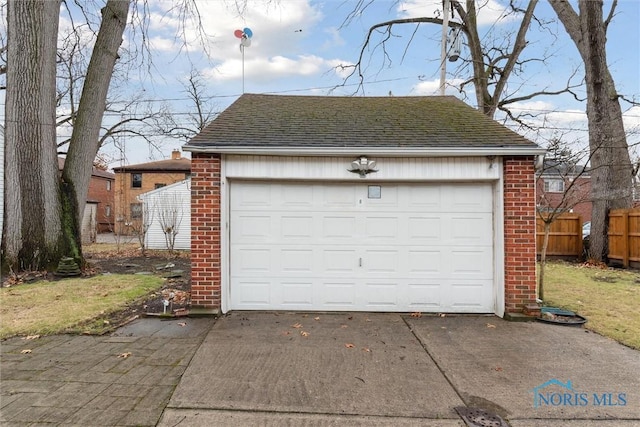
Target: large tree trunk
point(85, 141)
point(44, 209)
point(32, 226)
point(611, 169)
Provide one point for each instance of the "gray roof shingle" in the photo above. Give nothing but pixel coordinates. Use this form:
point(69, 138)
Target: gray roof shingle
point(325, 122)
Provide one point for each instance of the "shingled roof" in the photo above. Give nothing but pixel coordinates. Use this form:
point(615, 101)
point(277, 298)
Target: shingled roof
point(169, 165)
point(270, 124)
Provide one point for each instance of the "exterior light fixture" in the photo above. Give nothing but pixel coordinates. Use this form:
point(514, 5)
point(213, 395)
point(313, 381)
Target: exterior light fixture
point(363, 166)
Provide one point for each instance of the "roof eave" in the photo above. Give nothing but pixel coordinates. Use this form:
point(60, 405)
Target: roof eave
point(370, 151)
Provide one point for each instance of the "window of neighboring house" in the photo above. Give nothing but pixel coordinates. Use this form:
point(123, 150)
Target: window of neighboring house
point(554, 186)
point(160, 186)
point(108, 185)
point(107, 211)
point(136, 210)
point(136, 180)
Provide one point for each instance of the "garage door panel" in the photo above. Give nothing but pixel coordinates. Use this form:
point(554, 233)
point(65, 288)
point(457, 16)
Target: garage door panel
point(472, 295)
point(297, 294)
point(337, 196)
point(424, 296)
point(296, 260)
point(339, 227)
point(253, 294)
point(469, 198)
point(424, 262)
point(381, 261)
point(424, 229)
point(338, 295)
point(253, 260)
point(331, 247)
point(469, 229)
point(252, 228)
point(295, 227)
point(470, 263)
point(339, 261)
point(377, 228)
point(380, 295)
point(252, 195)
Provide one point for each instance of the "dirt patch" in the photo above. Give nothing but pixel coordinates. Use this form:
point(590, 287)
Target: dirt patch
point(175, 268)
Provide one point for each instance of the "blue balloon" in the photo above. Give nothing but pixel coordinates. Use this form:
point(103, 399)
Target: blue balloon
point(248, 32)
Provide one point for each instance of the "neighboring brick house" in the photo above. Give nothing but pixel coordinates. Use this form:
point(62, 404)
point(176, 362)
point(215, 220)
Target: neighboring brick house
point(362, 204)
point(134, 180)
point(564, 186)
point(101, 195)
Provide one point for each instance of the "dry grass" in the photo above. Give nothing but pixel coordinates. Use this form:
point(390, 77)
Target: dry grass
point(69, 305)
point(608, 298)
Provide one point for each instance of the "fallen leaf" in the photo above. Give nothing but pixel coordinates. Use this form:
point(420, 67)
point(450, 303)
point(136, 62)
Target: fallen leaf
point(367, 320)
point(297, 326)
point(366, 349)
point(350, 317)
point(490, 325)
point(183, 324)
point(124, 355)
point(416, 314)
point(498, 368)
point(26, 351)
point(344, 326)
point(349, 345)
point(106, 322)
point(31, 337)
point(316, 318)
point(286, 333)
point(304, 334)
point(442, 314)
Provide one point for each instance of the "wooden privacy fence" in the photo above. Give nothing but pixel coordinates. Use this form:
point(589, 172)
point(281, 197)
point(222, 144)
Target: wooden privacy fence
point(624, 236)
point(565, 236)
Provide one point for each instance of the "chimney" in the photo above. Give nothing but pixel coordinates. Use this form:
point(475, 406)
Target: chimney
point(175, 155)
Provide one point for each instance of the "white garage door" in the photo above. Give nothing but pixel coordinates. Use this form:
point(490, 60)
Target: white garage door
point(361, 247)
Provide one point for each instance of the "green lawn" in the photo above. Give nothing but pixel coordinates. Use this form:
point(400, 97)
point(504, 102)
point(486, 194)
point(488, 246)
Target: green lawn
point(69, 305)
point(608, 298)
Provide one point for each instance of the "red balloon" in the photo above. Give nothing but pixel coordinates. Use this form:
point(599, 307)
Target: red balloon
point(238, 33)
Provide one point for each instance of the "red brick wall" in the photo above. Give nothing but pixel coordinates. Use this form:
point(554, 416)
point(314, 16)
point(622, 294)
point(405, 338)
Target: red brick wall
point(519, 233)
point(100, 191)
point(206, 227)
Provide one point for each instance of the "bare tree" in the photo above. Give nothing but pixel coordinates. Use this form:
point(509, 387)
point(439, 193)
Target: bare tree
point(612, 172)
point(571, 171)
point(493, 60)
point(170, 213)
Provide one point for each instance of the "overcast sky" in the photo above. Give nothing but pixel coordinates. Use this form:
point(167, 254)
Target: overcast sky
point(297, 47)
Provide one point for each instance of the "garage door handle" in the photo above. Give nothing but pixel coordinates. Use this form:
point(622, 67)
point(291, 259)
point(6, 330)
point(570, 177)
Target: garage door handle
point(360, 262)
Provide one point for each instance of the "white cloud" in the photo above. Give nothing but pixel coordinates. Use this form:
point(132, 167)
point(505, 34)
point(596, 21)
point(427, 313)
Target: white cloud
point(432, 87)
point(262, 69)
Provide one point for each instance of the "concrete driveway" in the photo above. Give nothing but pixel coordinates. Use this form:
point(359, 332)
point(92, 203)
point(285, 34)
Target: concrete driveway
point(390, 369)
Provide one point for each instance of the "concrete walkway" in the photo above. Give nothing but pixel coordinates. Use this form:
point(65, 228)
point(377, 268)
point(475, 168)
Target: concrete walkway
point(321, 370)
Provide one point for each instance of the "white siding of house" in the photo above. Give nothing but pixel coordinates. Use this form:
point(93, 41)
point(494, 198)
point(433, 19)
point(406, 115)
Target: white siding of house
point(175, 195)
point(89, 229)
point(389, 168)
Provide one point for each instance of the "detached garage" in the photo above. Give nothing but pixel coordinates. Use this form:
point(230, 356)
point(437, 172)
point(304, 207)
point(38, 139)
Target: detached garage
point(361, 204)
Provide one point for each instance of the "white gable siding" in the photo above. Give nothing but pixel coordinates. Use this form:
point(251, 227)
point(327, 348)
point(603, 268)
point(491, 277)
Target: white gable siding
point(167, 199)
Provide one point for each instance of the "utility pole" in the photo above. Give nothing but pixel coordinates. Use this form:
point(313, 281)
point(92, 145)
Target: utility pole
point(443, 49)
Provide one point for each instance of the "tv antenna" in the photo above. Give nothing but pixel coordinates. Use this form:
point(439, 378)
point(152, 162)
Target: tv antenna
point(245, 41)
